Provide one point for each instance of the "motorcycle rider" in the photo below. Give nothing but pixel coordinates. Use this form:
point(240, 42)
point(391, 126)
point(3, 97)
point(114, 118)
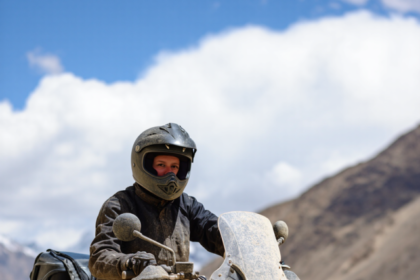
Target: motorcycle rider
point(161, 161)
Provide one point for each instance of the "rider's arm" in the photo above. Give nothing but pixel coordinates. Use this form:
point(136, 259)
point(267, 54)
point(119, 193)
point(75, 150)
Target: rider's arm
point(203, 226)
point(106, 258)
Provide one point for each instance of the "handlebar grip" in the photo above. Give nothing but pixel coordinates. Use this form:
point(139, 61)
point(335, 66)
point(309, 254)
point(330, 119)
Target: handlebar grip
point(128, 274)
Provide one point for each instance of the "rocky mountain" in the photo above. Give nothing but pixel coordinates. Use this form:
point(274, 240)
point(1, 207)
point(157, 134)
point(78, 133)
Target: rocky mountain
point(16, 261)
point(362, 223)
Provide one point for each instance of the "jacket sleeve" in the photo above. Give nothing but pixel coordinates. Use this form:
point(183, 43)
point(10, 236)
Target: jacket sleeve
point(105, 250)
point(203, 227)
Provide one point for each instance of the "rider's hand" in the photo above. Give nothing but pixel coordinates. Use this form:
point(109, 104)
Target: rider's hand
point(137, 262)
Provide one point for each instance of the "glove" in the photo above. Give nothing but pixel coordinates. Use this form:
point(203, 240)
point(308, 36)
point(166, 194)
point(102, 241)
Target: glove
point(137, 262)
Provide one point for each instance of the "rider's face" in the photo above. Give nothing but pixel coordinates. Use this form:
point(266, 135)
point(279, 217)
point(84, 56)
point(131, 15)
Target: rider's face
point(164, 164)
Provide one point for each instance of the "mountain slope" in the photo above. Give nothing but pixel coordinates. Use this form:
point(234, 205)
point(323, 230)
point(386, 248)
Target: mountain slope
point(360, 223)
point(16, 261)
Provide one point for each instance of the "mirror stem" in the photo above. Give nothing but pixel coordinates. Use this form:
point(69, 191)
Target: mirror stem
point(141, 236)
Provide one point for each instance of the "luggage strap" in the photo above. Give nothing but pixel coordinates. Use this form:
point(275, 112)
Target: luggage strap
point(74, 270)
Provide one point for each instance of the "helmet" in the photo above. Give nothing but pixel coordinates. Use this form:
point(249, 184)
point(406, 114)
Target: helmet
point(169, 139)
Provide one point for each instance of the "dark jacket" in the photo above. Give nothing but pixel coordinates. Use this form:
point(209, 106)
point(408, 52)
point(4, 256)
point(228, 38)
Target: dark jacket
point(172, 223)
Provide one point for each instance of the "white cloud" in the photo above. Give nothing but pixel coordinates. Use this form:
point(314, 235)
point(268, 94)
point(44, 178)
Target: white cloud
point(403, 5)
point(285, 174)
point(284, 177)
point(60, 239)
point(301, 104)
point(45, 63)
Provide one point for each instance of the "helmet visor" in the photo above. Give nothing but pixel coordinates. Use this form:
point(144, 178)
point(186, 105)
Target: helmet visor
point(184, 164)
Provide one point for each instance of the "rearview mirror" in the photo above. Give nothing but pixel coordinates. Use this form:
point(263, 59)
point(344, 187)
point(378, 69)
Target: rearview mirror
point(281, 231)
point(124, 226)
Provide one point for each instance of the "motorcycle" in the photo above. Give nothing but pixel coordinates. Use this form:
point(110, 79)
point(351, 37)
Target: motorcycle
point(251, 253)
point(251, 250)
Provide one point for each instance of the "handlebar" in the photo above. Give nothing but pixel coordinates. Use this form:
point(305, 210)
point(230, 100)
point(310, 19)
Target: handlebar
point(138, 234)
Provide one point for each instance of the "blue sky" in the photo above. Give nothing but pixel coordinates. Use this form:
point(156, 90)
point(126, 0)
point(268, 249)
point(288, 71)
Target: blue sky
point(276, 94)
point(114, 41)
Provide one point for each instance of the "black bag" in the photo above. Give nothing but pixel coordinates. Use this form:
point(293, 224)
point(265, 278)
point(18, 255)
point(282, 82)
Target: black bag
point(54, 265)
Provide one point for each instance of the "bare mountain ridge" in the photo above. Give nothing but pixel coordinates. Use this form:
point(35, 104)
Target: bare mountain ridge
point(16, 261)
point(362, 223)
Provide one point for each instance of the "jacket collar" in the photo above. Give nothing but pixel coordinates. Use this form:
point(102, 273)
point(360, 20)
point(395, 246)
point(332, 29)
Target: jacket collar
point(150, 198)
